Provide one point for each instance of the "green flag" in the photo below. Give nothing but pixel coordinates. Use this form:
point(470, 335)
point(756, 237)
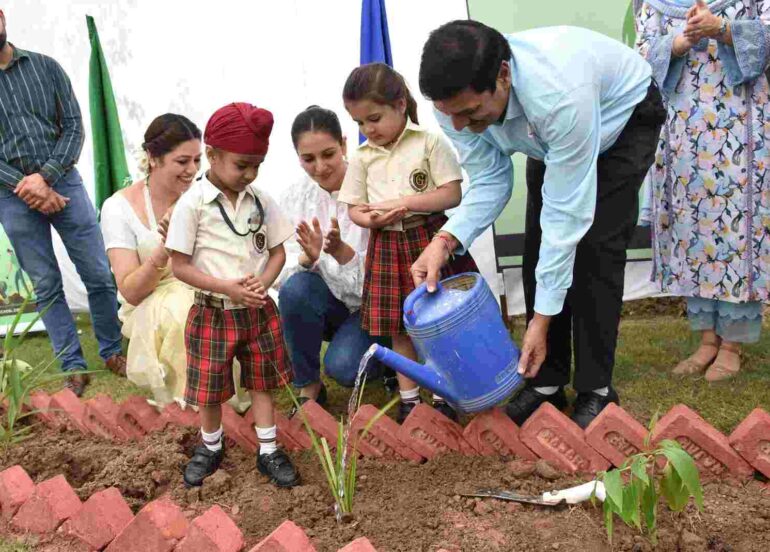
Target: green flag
point(110, 168)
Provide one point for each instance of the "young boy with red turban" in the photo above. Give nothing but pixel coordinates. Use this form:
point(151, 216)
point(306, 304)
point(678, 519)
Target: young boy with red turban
point(226, 240)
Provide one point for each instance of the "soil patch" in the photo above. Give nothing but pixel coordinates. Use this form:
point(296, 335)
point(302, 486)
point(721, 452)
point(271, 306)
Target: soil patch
point(399, 507)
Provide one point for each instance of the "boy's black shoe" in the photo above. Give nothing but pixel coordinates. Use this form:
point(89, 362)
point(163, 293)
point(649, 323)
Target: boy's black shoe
point(523, 405)
point(404, 408)
point(278, 467)
point(445, 409)
point(589, 405)
point(320, 399)
point(203, 463)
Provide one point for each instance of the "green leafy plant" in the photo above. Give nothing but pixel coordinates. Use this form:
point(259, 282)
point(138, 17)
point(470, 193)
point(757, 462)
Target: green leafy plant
point(633, 490)
point(18, 380)
point(341, 469)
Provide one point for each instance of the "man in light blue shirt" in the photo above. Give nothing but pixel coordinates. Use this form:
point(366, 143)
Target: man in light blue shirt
point(584, 109)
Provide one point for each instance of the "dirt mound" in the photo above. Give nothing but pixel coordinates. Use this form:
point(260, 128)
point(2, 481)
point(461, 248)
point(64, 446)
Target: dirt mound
point(399, 507)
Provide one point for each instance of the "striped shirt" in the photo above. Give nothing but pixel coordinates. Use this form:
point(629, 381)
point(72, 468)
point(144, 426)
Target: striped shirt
point(41, 130)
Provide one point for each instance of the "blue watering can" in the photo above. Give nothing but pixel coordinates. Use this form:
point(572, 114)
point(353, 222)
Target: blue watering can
point(470, 358)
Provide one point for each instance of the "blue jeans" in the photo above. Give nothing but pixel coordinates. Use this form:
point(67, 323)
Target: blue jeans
point(736, 322)
point(29, 232)
point(310, 314)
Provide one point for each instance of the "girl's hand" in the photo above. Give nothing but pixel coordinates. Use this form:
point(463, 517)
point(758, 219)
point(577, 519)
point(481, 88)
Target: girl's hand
point(310, 239)
point(383, 206)
point(701, 23)
point(377, 220)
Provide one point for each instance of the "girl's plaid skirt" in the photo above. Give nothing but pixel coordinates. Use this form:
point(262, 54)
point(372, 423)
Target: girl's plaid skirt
point(214, 337)
point(387, 282)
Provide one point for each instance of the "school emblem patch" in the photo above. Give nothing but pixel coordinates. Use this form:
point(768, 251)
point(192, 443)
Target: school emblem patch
point(418, 180)
point(260, 241)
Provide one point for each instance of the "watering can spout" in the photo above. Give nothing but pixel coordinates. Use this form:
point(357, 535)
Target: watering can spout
point(425, 375)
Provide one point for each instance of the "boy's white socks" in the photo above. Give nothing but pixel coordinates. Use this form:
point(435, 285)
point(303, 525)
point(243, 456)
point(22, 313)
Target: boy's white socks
point(548, 390)
point(267, 440)
point(213, 441)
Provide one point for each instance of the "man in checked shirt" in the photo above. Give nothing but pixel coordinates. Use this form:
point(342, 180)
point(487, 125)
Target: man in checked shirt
point(41, 136)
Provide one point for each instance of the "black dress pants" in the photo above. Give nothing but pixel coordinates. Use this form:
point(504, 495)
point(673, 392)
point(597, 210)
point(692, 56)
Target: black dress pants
point(591, 314)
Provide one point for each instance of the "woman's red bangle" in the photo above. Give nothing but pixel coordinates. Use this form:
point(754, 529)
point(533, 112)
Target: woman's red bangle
point(446, 243)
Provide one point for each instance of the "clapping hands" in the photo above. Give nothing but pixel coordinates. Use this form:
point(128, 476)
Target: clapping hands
point(701, 23)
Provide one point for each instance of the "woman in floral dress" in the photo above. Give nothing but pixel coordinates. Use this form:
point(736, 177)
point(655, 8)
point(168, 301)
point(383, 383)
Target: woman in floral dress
point(710, 202)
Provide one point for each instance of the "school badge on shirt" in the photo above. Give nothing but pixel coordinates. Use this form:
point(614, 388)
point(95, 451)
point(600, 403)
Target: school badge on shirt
point(418, 180)
point(260, 241)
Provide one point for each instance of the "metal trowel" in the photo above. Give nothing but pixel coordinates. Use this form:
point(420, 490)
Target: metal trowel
point(573, 495)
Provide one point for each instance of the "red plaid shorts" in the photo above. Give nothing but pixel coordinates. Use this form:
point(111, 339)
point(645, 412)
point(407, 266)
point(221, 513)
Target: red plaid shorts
point(214, 337)
point(387, 282)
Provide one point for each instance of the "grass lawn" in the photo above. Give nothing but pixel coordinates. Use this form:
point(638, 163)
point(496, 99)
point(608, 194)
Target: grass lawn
point(648, 347)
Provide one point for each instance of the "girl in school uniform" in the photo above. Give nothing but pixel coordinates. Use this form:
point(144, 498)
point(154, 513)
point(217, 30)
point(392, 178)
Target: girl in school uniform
point(398, 184)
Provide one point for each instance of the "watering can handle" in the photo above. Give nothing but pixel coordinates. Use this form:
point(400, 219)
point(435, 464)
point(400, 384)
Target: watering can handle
point(414, 296)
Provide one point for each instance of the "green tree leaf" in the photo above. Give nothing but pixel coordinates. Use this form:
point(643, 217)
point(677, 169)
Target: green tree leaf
point(650, 507)
point(673, 490)
point(639, 469)
point(687, 471)
point(614, 487)
point(608, 518)
point(631, 498)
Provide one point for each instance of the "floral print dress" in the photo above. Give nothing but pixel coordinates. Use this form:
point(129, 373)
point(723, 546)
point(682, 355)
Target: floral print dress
point(710, 199)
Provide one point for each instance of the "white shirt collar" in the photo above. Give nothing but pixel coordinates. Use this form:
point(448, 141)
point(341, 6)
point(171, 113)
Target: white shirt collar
point(211, 192)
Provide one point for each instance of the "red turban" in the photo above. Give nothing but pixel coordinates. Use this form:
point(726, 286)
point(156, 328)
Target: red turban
point(240, 128)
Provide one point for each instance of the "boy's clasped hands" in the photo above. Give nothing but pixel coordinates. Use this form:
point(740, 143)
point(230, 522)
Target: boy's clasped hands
point(248, 291)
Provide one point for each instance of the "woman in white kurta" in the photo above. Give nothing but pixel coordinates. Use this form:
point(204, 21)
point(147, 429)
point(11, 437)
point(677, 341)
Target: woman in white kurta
point(321, 285)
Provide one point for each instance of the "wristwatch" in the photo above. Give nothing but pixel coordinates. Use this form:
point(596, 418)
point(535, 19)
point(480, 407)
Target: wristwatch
point(723, 26)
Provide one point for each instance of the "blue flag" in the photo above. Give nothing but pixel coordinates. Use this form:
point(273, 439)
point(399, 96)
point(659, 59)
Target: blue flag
point(375, 42)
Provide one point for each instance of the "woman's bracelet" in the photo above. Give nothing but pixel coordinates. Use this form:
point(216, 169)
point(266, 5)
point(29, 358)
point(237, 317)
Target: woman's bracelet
point(155, 265)
point(445, 240)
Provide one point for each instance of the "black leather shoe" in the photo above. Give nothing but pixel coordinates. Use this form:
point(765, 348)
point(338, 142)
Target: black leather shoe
point(77, 383)
point(321, 400)
point(203, 463)
point(523, 405)
point(445, 409)
point(278, 467)
point(589, 405)
point(404, 408)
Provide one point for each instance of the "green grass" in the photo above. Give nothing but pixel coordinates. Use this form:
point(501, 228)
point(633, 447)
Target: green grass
point(648, 348)
point(14, 546)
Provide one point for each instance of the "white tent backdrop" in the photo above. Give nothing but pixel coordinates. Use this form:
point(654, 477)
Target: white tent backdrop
point(193, 56)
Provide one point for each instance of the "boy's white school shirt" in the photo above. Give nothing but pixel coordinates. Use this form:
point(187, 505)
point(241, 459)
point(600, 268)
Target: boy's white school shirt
point(197, 228)
point(420, 161)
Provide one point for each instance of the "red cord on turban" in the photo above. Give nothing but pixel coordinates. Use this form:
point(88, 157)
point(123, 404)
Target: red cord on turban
point(240, 128)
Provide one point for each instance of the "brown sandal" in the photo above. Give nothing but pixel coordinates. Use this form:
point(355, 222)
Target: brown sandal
point(719, 370)
point(117, 365)
point(691, 367)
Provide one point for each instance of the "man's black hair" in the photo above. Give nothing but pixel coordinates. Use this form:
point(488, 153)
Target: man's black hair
point(461, 54)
